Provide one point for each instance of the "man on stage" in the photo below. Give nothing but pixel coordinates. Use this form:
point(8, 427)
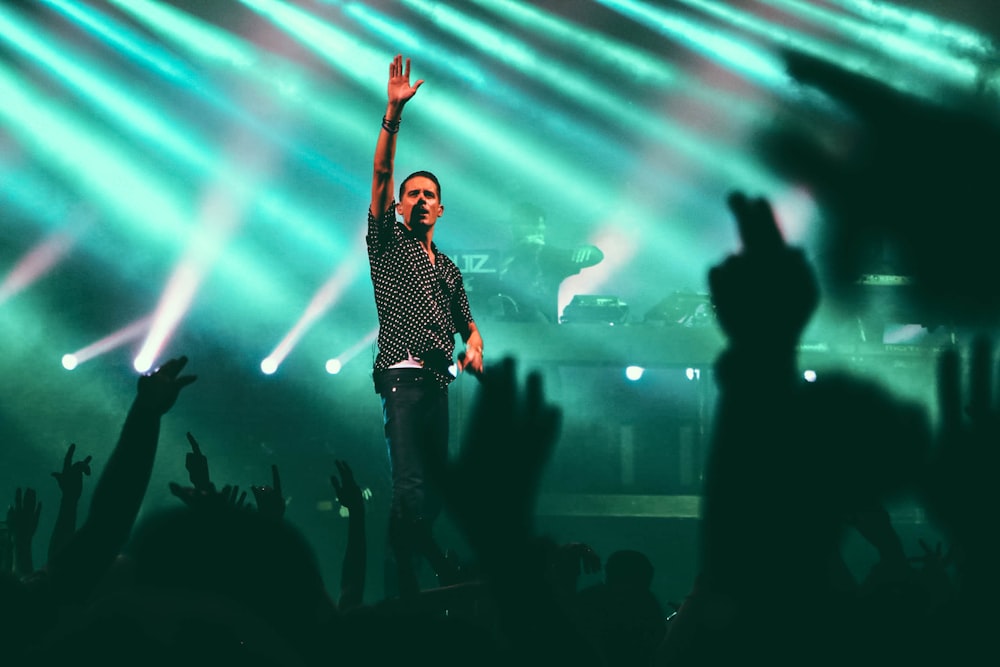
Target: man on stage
point(422, 304)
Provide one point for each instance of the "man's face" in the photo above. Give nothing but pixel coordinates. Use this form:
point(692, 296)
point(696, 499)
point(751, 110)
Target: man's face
point(419, 205)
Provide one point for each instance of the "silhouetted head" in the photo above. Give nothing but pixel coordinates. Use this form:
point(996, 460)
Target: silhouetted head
point(527, 223)
point(629, 568)
point(263, 565)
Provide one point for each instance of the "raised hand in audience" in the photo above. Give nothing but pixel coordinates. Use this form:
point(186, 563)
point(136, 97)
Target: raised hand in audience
point(202, 492)
point(70, 480)
point(765, 295)
point(961, 491)
point(349, 494)
point(491, 490)
point(492, 486)
point(22, 522)
point(353, 571)
point(790, 461)
point(232, 496)
point(119, 492)
point(270, 501)
point(197, 466)
point(566, 563)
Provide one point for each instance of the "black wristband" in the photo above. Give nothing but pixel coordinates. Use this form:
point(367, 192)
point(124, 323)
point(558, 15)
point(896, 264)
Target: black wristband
point(391, 126)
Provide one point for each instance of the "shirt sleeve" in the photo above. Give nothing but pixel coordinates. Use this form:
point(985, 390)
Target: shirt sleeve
point(381, 232)
point(460, 311)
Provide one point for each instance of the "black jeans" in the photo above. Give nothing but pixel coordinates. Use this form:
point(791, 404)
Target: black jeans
point(415, 415)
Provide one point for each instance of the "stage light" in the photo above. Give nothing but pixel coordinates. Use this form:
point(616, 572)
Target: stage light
point(268, 366)
point(336, 364)
point(69, 361)
point(809, 375)
point(97, 162)
point(173, 305)
point(323, 299)
point(110, 342)
point(634, 373)
point(207, 41)
point(192, 83)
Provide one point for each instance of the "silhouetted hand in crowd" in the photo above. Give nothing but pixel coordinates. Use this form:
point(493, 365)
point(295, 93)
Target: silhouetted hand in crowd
point(790, 462)
point(349, 494)
point(202, 493)
point(566, 563)
point(232, 496)
point(22, 521)
point(907, 189)
point(492, 487)
point(765, 295)
point(875, 525)
point(892, 570)
point(270, 501)
point(197, 466)
point(490, 491)
point(158, 391)
point(229, 497)
point(352, 575)
point(961, 490)
point(70, 480)
point(119, 492)
point(580, 557)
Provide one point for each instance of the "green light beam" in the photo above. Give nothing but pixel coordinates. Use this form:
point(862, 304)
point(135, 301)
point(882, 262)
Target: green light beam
point(405, 39)
point(127, 41)
point(179, 141)
point(950, 34)
point(77, 73)
point(910, 51)
point(683, 140)
point(641, 66)
point(27, 192)
point(99, 165)
point(761, 66)
point(285, 83)
point(858, 62)
point(174, 70)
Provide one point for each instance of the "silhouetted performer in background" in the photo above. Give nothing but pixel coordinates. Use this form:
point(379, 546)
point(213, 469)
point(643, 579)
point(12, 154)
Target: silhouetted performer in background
point(532, 271)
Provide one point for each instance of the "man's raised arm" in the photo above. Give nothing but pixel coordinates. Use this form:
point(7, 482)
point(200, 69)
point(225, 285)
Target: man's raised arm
point(399, 93)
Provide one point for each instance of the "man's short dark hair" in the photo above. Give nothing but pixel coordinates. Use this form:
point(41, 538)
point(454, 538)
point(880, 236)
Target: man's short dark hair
point(425, 174)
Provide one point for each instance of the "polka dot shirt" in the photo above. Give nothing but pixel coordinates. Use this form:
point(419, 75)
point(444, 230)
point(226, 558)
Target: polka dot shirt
point(421, 306)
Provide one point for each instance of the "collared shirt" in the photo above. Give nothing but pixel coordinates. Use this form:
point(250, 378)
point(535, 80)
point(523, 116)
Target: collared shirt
point(421, 306)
